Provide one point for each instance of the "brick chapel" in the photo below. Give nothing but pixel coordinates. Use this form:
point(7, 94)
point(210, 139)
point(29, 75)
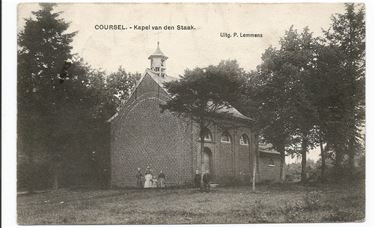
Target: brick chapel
point(142, 136)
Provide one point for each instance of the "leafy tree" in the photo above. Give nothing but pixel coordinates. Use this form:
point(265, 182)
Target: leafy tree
point(266, 105)
point(280, 89)
point(201, 93)
point(299, 52)
point(326, 90)
point(347, 37)
point(119, 86)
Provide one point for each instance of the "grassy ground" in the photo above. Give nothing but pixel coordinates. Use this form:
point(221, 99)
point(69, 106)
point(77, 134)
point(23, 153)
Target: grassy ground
point(271, 204)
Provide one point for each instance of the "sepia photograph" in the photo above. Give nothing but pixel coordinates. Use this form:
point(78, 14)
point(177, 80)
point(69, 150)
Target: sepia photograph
point(190, 113)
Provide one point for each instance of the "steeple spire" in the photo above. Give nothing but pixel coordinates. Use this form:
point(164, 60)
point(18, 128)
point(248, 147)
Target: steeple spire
point(157, 61)
point(158, 52)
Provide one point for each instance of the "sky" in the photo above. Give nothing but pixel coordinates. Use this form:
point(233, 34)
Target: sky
point(200, 47)
point(185, 49)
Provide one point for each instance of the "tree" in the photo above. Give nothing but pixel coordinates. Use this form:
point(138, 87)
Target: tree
point(63, 103)
point(201, 93)
point(266, 106)
point(43, 52)
point(347, 36)
point(280, 88)
point(119, 86)
point(326, 90)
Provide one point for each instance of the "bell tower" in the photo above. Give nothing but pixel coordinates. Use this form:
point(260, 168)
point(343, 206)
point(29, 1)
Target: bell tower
point(158, 62)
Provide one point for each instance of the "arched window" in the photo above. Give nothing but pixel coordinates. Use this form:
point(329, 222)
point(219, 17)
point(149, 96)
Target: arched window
point(271, 162)
point(207, 135)
point(225, 138)
point(244, 140)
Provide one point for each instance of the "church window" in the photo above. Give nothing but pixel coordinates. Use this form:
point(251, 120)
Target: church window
point(157, 68)
point(225, 138)
point(207, 135)
point(271, 162)
point(244, 140)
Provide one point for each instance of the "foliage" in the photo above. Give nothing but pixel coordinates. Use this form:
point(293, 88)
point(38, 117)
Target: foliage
point(345, 119)
point(201, 92)
point(203, 95)
point(310, 91)
point(63, 105)
point(120, 85)
point(280, 88)
point(40, 92)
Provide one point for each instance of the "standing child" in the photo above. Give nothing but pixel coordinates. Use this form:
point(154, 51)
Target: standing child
point(161, 178)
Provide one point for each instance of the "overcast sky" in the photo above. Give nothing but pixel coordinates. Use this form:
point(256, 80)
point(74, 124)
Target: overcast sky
point(185, 49)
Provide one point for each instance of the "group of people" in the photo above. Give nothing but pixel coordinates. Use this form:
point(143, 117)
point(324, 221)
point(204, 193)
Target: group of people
point(148, 180)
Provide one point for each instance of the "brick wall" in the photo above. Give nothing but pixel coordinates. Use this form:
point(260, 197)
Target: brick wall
point(229, 159)
point(143, 136)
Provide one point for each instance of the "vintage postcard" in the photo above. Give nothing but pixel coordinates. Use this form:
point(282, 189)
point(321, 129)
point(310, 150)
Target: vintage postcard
point(187, 113)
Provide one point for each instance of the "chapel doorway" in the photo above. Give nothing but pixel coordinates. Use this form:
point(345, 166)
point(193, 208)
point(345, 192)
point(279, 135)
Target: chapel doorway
point(207, 160)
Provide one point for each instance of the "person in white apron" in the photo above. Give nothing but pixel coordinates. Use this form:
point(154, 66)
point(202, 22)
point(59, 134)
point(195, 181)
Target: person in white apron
point(148, 178)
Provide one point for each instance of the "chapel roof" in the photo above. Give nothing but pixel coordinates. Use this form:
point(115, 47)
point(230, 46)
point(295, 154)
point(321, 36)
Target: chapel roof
point(166, 78)
point(267, 148)
point(228, 110)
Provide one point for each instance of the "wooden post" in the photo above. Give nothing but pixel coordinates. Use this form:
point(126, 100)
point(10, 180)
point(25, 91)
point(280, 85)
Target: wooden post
point(254, 161)
point(254, 171)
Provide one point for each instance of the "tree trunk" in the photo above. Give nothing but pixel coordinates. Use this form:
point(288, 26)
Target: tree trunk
point(282, 166)
point(201, 126)
point(303, 161)
point(338, 164)
point(323, 157)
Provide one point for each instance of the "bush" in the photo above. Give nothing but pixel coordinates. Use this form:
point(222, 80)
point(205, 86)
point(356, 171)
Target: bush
point(295, 211)
point(312, 200)
point(259, 214)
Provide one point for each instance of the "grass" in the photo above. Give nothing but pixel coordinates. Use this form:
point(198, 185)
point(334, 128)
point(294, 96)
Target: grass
point(269, 204)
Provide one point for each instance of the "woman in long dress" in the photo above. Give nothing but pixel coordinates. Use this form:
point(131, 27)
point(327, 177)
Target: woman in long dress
point(148, 179)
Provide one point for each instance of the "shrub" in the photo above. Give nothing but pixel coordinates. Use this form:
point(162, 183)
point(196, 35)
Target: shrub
point(312, 200)
point(258, 212)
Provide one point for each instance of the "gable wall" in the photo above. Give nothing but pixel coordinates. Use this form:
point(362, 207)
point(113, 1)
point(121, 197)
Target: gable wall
point(142, 136)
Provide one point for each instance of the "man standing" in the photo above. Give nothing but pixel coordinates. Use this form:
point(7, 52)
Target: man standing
point(139, 178)
point(197, 179)
point(161, 180)
point(206, 182)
